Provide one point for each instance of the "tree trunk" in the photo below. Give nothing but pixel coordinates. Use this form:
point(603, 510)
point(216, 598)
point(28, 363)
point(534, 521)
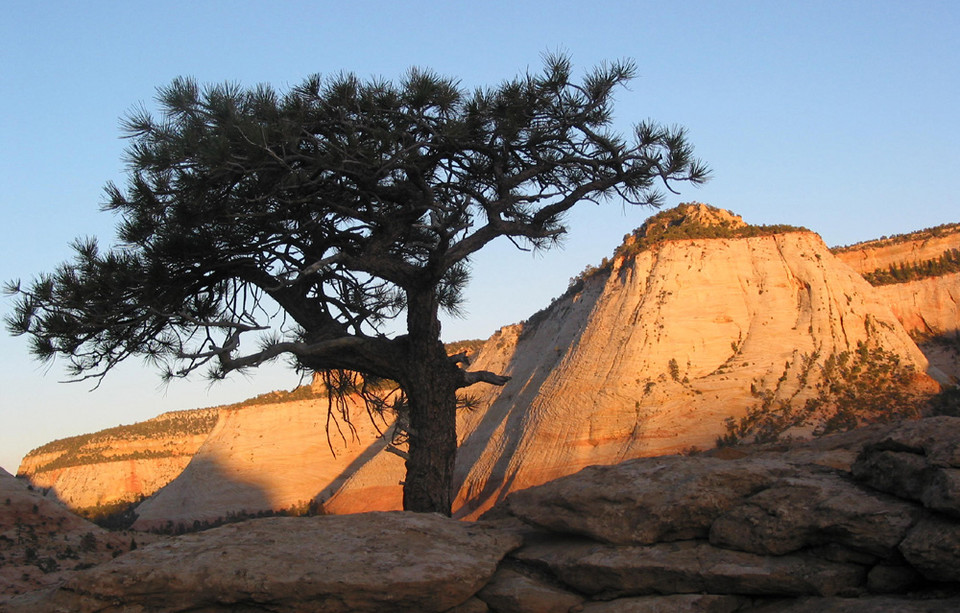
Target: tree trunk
point(431, 388)
point(432, 443)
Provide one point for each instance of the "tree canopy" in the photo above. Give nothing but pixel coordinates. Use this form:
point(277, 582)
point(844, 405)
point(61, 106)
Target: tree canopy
point(336, 208)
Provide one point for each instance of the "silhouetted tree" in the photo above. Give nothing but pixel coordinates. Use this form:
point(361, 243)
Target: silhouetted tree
point(342, 205)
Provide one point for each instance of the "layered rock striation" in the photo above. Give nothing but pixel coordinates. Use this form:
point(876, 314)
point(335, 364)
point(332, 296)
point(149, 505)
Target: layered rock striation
point(902, 250)
point(927, 308)
point(769, 531)
point(119, 465)
point(652, 356)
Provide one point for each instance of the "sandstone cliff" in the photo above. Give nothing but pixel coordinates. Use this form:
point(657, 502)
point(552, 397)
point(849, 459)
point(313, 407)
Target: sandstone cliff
point(274, 456)
point(647, 354)
point(650, 355)
point(904, 249)
point(927, 306)
point(119, 465)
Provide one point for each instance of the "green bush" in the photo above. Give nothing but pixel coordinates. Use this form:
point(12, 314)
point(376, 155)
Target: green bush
point(674, 369)
point(946, 264)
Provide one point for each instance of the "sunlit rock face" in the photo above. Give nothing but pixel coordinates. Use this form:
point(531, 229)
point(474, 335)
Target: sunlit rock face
point(651, 354)
point(276, 456)
point(652, 357)
point(912, 248)
point(926, 307)
point(929, 308)
point(119, 465)
point(646, 355)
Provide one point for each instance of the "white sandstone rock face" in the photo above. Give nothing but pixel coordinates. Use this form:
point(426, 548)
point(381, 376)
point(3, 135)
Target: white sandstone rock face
point(270, 457)
point(106, 483)
point(648, 356)
point(649, 359)
point(929, 307)
point(652, 358)
point(119, 465)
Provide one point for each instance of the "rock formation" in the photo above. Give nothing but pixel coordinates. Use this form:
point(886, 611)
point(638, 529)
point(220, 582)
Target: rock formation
point(704, 533)
point(119, 465)
point(41, 542)
point(928, 307)
point(376, 562)
point(904, 249)
point(274, 456)
point(930, 311)
point(868, 527)
point(649, 354)
point(650, 357)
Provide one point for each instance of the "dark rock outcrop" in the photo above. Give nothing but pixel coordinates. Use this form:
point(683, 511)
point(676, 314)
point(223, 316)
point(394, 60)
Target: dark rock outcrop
point(766, 530)
point(746, 533)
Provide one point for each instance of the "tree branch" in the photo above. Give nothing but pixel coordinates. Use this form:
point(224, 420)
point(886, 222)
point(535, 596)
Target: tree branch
point(306, 272)
point(483, 376)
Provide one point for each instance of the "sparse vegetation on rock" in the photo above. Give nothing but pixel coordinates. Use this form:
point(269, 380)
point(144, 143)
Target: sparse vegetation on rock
point(90, 448)
point(41, 542)
point(690, 220)
point(918, 235)
point(694, 220)
point(853, 389)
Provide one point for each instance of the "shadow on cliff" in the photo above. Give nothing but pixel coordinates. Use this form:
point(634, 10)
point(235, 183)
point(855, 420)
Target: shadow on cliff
point(340, 485)
point(10, 515)
point(117, 515)
point(551, 335)
point(943, 352)
point(228, 497)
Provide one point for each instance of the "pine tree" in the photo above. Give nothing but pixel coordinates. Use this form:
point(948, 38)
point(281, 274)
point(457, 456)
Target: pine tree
point(344, 205)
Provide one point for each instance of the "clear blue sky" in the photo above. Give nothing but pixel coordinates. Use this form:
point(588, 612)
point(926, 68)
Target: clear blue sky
point(839, 116)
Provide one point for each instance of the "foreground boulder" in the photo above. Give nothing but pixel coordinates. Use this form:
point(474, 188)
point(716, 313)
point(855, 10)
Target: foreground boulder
point(377, 562)
point(861, 522)
point(798, 528)
point(689, 567)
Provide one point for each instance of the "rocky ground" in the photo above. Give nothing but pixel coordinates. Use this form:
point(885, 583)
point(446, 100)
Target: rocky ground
point(865, 521)
point(42, 543)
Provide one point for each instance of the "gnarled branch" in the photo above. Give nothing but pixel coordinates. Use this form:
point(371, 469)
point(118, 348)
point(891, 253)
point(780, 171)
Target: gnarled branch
point(483, 376)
